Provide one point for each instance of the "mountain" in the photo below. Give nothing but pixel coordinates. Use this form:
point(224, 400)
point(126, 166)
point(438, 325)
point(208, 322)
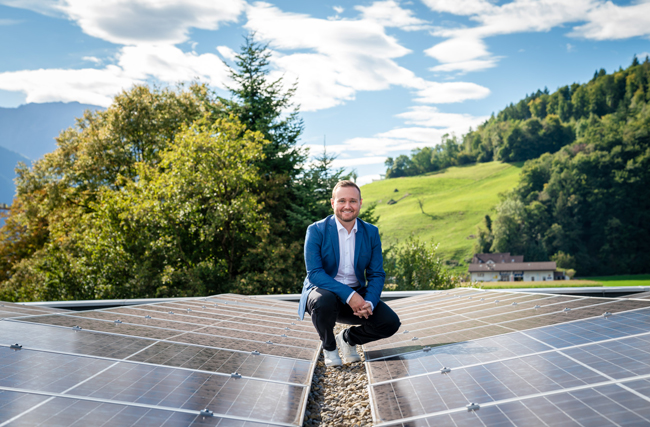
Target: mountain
point(8, 161)
point(454, 202)
point(30, 129)
point(27, 132)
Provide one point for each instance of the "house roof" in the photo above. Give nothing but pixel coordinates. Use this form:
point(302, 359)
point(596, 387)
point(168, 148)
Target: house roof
point(497, 257)
point(513, 266)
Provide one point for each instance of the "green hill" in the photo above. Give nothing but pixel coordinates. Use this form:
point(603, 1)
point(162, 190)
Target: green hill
point(454, 202)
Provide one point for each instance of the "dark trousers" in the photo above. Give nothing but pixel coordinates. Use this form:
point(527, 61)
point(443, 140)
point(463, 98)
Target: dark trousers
point(325, 309)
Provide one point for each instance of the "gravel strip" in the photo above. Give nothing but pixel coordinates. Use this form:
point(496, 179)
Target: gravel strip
point(339, 395)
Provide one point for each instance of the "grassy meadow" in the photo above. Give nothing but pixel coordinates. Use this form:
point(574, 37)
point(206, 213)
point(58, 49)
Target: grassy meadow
point(454, 202)
point(628, 280)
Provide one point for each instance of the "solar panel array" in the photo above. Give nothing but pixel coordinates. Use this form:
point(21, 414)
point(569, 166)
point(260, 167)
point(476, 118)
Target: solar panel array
point(471, 357)
point(226, 360)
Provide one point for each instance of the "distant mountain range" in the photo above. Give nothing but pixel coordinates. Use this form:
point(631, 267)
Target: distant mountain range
point(27, 132)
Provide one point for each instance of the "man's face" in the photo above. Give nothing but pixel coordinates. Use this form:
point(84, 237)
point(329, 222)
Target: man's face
point(346, 204)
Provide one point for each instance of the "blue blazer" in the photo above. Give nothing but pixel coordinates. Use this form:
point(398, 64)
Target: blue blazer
point(322, 261)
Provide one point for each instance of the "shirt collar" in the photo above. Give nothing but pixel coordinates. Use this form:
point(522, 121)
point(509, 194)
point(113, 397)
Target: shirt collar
point(340, 227)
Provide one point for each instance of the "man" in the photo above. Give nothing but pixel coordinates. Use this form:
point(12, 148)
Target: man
point(345, 277)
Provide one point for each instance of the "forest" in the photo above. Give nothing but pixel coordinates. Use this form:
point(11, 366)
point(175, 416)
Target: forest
point(180, 192)
point(584, 195)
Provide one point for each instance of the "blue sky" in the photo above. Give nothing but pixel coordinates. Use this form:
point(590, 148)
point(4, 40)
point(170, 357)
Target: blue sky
point(376, 78)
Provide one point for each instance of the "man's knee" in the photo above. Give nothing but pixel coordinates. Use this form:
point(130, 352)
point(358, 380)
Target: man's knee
point(322, 299)
point(390, 323)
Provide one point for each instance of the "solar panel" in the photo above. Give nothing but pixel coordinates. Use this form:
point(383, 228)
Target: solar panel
point(182, 363)
point(503, 358)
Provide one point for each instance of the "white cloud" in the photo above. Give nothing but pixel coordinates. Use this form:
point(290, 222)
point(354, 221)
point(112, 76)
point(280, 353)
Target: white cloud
point(608, 21)
point(135, 64)
point(341, 58)
point(465, 46)
point(432, 117)
point(44, 7)
point(450, 92)
point(361, 161)
point(338, 9)
point(458, 49)
point(139, 21)
point(367, 179)
point(227, 52)
point(170, 64)
point(459, 7)
point(388, 13)
point(467, 66)
point(92, 59)
point(87, 86)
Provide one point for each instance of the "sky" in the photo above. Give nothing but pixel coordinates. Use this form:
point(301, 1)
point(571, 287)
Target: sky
point(375, 78)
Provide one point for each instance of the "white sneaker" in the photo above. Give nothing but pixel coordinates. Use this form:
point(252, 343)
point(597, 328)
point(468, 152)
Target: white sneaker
point(348, 351)
point(332, 358)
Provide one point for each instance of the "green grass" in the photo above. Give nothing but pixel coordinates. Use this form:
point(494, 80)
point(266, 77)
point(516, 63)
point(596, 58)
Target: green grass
point(553, 284)
point(454, 201)
point(628, 280)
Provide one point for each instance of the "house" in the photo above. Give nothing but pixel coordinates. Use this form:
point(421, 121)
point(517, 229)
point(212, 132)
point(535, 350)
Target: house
point(503, 267)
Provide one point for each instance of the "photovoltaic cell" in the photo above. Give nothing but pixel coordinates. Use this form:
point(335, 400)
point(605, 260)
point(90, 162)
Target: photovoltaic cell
point(65, 412)
point(32, 335)
point(491, 382)
point(555, 364)
point(250, 363)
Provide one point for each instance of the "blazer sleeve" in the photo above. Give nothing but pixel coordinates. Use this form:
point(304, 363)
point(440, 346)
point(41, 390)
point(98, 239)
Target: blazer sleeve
point(375, 274)
point(315, 272)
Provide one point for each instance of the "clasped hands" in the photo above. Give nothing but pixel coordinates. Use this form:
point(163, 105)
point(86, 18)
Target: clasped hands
point(360, 308)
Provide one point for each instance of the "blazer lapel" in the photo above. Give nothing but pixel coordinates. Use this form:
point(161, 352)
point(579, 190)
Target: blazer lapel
point(359, 240)
point(334, 239)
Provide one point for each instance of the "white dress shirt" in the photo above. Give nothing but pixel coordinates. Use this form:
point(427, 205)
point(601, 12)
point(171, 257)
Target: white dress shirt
point(347, 243)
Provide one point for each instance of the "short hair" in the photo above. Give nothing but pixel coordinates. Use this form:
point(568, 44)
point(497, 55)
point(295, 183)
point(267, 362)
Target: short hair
point(345, 183)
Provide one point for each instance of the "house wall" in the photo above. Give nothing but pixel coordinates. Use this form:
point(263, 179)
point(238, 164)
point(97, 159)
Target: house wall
point(538, 276)
point(490, 276)
point(529, 276)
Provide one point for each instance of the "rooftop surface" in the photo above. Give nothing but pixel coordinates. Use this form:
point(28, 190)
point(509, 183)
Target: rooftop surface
point(464, 356)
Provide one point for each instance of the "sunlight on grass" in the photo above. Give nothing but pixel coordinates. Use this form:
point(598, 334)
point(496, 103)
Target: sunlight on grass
point(454, 203)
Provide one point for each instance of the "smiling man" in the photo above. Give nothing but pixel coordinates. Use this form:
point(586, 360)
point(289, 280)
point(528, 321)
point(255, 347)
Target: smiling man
point(345, 277)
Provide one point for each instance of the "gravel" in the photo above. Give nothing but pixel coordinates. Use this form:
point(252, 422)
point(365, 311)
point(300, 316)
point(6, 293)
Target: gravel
point(339, 394)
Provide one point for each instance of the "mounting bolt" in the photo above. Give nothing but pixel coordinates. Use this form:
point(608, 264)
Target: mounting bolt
point(607, 314)
point(16, 346)
point(171, 312)
point(473, 407)
point(207, 413)
point(235, 375)
point(117, 321)
point(147, 317)
point(425, 349)
point(445, 370)
point(255, 353)
point(77, 328)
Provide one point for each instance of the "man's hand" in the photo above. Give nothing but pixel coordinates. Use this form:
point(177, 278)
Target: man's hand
point(366, 311)
point(356, 302)
point(360, 307)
